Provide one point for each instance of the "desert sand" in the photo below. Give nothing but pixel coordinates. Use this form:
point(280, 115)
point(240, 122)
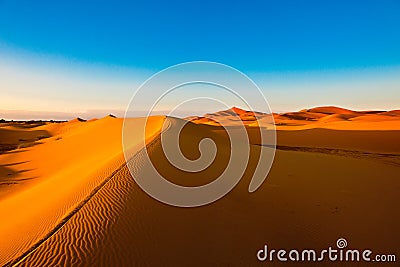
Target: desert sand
point(335, 174)
point(45, 182)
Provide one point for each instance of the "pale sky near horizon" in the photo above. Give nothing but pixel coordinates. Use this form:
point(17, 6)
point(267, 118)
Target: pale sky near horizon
point(57, 63)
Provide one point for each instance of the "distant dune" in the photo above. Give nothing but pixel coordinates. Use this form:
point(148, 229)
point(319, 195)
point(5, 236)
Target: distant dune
point(320, 117)
point(68, 198)
point(330, 110)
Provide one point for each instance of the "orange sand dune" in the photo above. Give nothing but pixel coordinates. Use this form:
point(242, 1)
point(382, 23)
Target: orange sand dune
point(228, 117)
point(64, 127)
point(14, 137)
point(320, 117)
point(49, 180)
point(330, 110)
point(391, 113)
point(302, 116)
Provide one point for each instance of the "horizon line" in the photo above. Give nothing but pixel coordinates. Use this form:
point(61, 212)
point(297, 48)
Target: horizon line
point(40, 115)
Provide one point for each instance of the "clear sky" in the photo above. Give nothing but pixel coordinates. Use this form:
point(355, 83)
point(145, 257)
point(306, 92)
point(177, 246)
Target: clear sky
point(88, 57)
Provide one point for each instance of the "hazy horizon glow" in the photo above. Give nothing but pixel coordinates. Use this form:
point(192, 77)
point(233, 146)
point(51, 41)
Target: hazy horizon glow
point(58, 64)
point(39, 87)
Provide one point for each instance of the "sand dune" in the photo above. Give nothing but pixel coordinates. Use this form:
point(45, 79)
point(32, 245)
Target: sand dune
point(391, 113)
point(334, 175)
point(60, 174)
point(229, 117)
point(331, 110)
point(320, 117)
point(14, 137)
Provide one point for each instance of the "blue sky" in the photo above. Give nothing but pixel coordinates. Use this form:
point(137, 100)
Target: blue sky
point(76, 56)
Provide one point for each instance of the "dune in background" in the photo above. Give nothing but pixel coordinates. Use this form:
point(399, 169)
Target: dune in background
point(71, 200)
point(320, 117)
point(331, 128)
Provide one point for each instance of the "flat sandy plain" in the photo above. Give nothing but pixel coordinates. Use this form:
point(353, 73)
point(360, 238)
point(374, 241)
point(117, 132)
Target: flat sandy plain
point(67, 197)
